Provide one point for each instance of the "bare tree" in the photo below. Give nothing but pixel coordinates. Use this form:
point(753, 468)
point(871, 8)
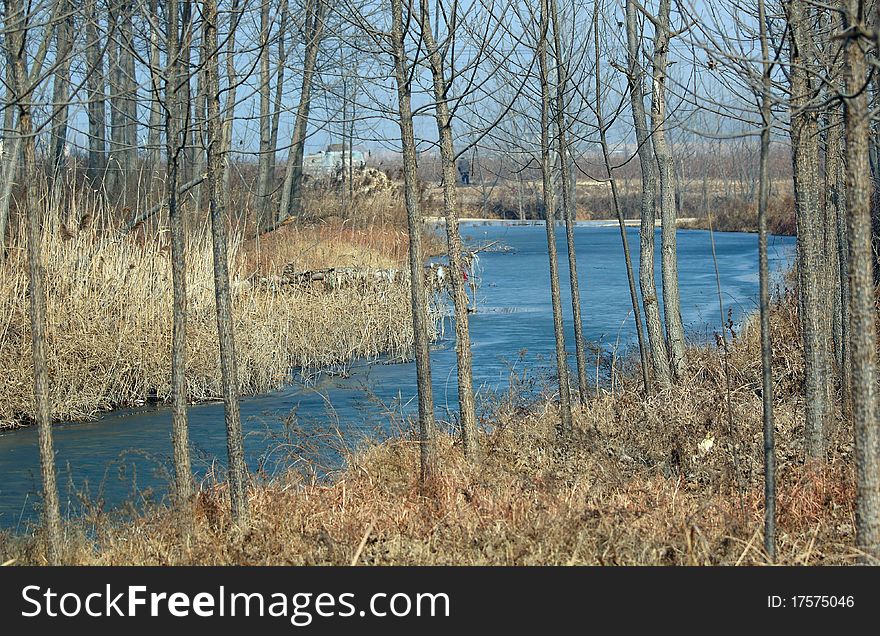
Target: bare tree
point(97, 116)
point(836, 242)
point(568, 199)
point(618, 211)
point(154, 128)
point(861, 281)
point(25, 82)
point(565, 421)
point(635, 81)
point(441, 87)
point(291, 192)
point(237, 470)
point(270, 106)
point(666, 173)
point(805, 157)
point(265, 90)
point(766, 104)
point(175, 139)
point(185, 92)
point(279, 92)
point(61, 88)
point(228, 111)
point(833, 178)
point(402, 76)
point(123, 97)
point(9, 158)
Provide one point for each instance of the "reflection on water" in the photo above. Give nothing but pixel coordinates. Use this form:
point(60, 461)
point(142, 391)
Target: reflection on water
point(126, 455)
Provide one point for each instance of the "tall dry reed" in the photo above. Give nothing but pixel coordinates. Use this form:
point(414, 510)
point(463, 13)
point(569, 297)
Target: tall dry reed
point(109, 308)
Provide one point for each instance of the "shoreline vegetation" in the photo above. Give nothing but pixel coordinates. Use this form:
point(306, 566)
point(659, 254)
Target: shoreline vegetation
point(730, 209)
point(109, 312)
point(687, 223)
point(668, 480)
point(107, 280)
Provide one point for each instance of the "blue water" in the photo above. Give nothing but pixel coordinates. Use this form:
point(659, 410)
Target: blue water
point(125, 456)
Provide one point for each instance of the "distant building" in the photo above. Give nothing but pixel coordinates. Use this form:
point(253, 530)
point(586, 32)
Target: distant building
point(332, 162)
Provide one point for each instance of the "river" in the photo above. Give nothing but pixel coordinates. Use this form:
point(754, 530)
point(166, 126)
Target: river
point(124, 456)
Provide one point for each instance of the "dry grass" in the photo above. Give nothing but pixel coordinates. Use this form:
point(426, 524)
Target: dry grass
point(743, 217)
point(730, 212)
point(638, 484)
point(109, 308)
point(331, 244)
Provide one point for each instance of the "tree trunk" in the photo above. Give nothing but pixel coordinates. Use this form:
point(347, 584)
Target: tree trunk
point(291, 192)
point(833, 142)
point(11, 140)
point(232, 87)
point(9, 167)
point(9, 133)
point(666, 171)
point(615, 198)
point(276, 109)
point(175, 140)
point(520, 208)
point(198, 144)
point(764, 295)
point(831, 209)
point(97, 99)
point(23, 83)
point(467, 413)
point(61, 89)
point(123, 99)
point(264, 161)
point(237, 474)
point(568, 204)
point(656, 340)
point(116, 159)
point(414, 225)
point(185, 92)
point(844, 291)
point(129, 85)
point(836, 244)
point(861, 280)
point(351, 132)
point(565, 424)
point(805, 157)
point(9, 158)
point(154, 133)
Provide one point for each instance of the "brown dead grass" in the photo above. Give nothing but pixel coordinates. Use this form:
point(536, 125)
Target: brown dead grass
point(730, 213)
point(334, 243)
point(738, 216)
point(109, 313)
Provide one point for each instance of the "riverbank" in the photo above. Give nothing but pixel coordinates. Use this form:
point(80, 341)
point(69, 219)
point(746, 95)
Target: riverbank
point(667, 480)
point(780, 220)
point(731, 210)
point(439, 220)
point(777, 225)
point(109, 313)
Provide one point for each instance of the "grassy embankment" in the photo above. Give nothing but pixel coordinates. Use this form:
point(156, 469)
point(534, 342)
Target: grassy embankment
point(731, 211)
point(109, 310)
point(744, 218)
point(667, 480)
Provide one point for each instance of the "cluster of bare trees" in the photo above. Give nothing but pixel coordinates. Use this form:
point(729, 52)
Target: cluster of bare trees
point(157, 96)
point(806, 67)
